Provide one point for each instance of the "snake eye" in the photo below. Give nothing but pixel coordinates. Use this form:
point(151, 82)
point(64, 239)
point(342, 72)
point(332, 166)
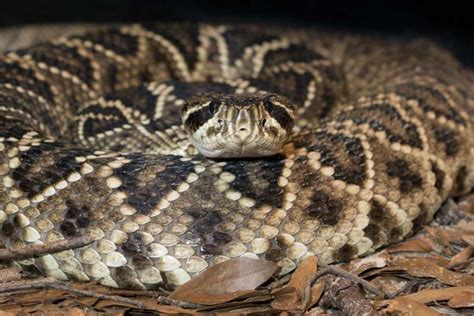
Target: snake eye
point(267, 104)
point(263, 122)
point(213, 107)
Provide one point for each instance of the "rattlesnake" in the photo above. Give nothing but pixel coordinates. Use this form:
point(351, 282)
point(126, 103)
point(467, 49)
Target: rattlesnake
point(91, 143)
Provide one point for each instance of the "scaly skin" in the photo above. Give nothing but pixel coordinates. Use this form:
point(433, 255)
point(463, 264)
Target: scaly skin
point(384, 135)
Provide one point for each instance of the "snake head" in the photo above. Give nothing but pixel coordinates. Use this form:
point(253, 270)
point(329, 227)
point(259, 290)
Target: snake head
point(238, 125)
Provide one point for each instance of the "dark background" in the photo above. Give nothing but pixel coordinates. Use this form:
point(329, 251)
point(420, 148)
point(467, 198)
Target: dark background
point(449, 22)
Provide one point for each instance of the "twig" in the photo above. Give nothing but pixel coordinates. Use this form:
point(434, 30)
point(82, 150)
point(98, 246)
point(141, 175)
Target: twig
point(116, 298)
point(51, 283)
point(280, 282)
point(46, 248)
point(169, 301)
point(133, 293)
point(342, 273)
point(26, 284)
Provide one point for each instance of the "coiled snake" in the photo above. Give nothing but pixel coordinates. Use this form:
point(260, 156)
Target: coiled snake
point(91, 143)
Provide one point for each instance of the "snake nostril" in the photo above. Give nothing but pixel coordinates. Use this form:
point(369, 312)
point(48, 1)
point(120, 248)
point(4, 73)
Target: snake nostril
point(242, 129)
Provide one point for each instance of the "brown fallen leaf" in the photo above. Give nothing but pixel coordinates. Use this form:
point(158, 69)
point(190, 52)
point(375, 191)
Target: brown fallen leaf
point(462, 299)
point(466, 225)
point(38, 297)
point(298, 281)
point(391, 285)
point(423, 267)
point(225, 281)
point(109, 303)
point(254, 298)
point(460, 257)
point(286, 302)
point(255, 310)
point(40, 309)
point(72, 302)
point(75, 311)
point(469, 239)
point(316, 292)
point(445, 235)
point(437, 259)
point(409, 307)
point(428, 296)
point(442, 236)
point(421, 244)
point(358, 266)
point(466, 204)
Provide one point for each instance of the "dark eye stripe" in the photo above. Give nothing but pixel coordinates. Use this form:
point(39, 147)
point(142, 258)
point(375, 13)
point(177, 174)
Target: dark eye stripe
point(201, 116)
point(279, 114)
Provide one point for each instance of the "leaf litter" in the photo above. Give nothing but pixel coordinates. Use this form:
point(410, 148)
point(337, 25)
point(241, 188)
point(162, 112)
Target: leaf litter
point(429, 274)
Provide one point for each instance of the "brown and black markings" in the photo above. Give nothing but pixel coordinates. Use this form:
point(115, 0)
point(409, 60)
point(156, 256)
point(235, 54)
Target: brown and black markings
point(207, 220)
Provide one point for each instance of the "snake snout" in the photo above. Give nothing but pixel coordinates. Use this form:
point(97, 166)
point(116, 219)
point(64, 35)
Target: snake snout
point(238, 125)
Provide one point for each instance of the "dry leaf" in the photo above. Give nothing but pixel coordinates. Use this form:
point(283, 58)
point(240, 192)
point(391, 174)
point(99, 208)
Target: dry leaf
point(461, 257)
point(148, 305)
point(225, 281)
point(254, 298)
point(428, 296)
point(443, 235)
point(359, 266)
point(76, 301)
point(466, 204)
point(467, 226)
point(307, 268)
point(408, 307)
point(421, 244)
point(462, 299)
point(255, 310)
point(287, 302)
point(423, 267)
point(79, 312)
point(298, 281)
point(389, 284)
point(469, 239)
point(39, 297)
point(112, 303)
point(316, 311)
point(316, 292)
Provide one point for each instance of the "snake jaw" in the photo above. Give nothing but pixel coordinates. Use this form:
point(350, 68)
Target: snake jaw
point(238, 126)
point(239, 144)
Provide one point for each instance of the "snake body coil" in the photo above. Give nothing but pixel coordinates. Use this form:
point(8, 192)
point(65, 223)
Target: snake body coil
point(91, 142)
